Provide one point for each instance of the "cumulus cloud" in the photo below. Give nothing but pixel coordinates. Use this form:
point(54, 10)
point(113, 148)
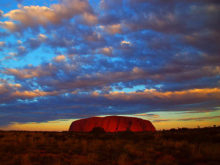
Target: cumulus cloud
point(106, 51)
point(42, 37)
point(60, 58)
point(9, 25)
point(13, 92)
point(29, 16)
point(30, 72)
point(90, 19)
point(125, 42)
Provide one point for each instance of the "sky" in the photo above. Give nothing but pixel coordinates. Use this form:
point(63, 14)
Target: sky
point(62, 60)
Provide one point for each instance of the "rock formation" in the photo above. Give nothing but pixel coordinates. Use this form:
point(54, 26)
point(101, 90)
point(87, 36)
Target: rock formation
point(112, 124)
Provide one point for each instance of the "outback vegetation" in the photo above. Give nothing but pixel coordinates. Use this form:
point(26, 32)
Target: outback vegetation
point(170, 147)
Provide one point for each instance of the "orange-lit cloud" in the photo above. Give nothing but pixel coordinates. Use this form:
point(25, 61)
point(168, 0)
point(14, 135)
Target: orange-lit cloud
point(90, 19)
point(9, 25)
point(41, 14)
point(15, 91)
point(31, 94)
point(123, 43)
point(30, 72)
point(60, 58)
point(30, 16)
point(106, 50)
point(42, 37)
point(178, 97)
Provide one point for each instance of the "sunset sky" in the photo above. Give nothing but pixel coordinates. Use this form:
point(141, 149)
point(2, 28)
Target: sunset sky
point(61, 60)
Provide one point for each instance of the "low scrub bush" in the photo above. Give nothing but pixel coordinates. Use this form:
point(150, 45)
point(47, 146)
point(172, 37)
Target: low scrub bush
point(172, 147)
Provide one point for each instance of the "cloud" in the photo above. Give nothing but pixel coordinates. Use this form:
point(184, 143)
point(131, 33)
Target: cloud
point(60, 58)
point(80, 57)
point(125, 42)
point(90, 19)
point(13, 92)
point(200, 39)
point(33, 15)
point(30, 16)
point(31, 94)
point(188, 119)
point(200, 111)
point(147, 115)
point(106, 51)
point(9, 25)
point(31, 72)
point(2, 43)
point(1, 13)
point(96, 79)
point(6, 89)
point(160, 120)
point(152, 96)
point(199, 118)
point(129, 103)
point(35, 42)
point(167, 20)
point(112, 29)
point(42, 37)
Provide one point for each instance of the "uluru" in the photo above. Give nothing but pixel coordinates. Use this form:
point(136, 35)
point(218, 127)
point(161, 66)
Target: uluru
point(112, 124)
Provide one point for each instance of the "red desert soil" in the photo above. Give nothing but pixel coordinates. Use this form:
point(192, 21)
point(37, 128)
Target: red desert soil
point(112, 124)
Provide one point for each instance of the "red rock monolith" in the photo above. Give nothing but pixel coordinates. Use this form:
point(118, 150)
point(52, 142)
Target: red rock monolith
point(112, 124)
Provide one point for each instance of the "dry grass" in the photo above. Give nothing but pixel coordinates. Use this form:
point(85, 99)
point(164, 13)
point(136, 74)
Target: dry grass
point(174, 147)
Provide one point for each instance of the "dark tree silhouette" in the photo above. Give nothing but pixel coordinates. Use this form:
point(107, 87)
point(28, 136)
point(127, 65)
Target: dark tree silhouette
point(98, 130)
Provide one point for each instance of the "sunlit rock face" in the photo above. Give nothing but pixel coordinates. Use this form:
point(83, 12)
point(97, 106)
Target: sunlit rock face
point(112, 124)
